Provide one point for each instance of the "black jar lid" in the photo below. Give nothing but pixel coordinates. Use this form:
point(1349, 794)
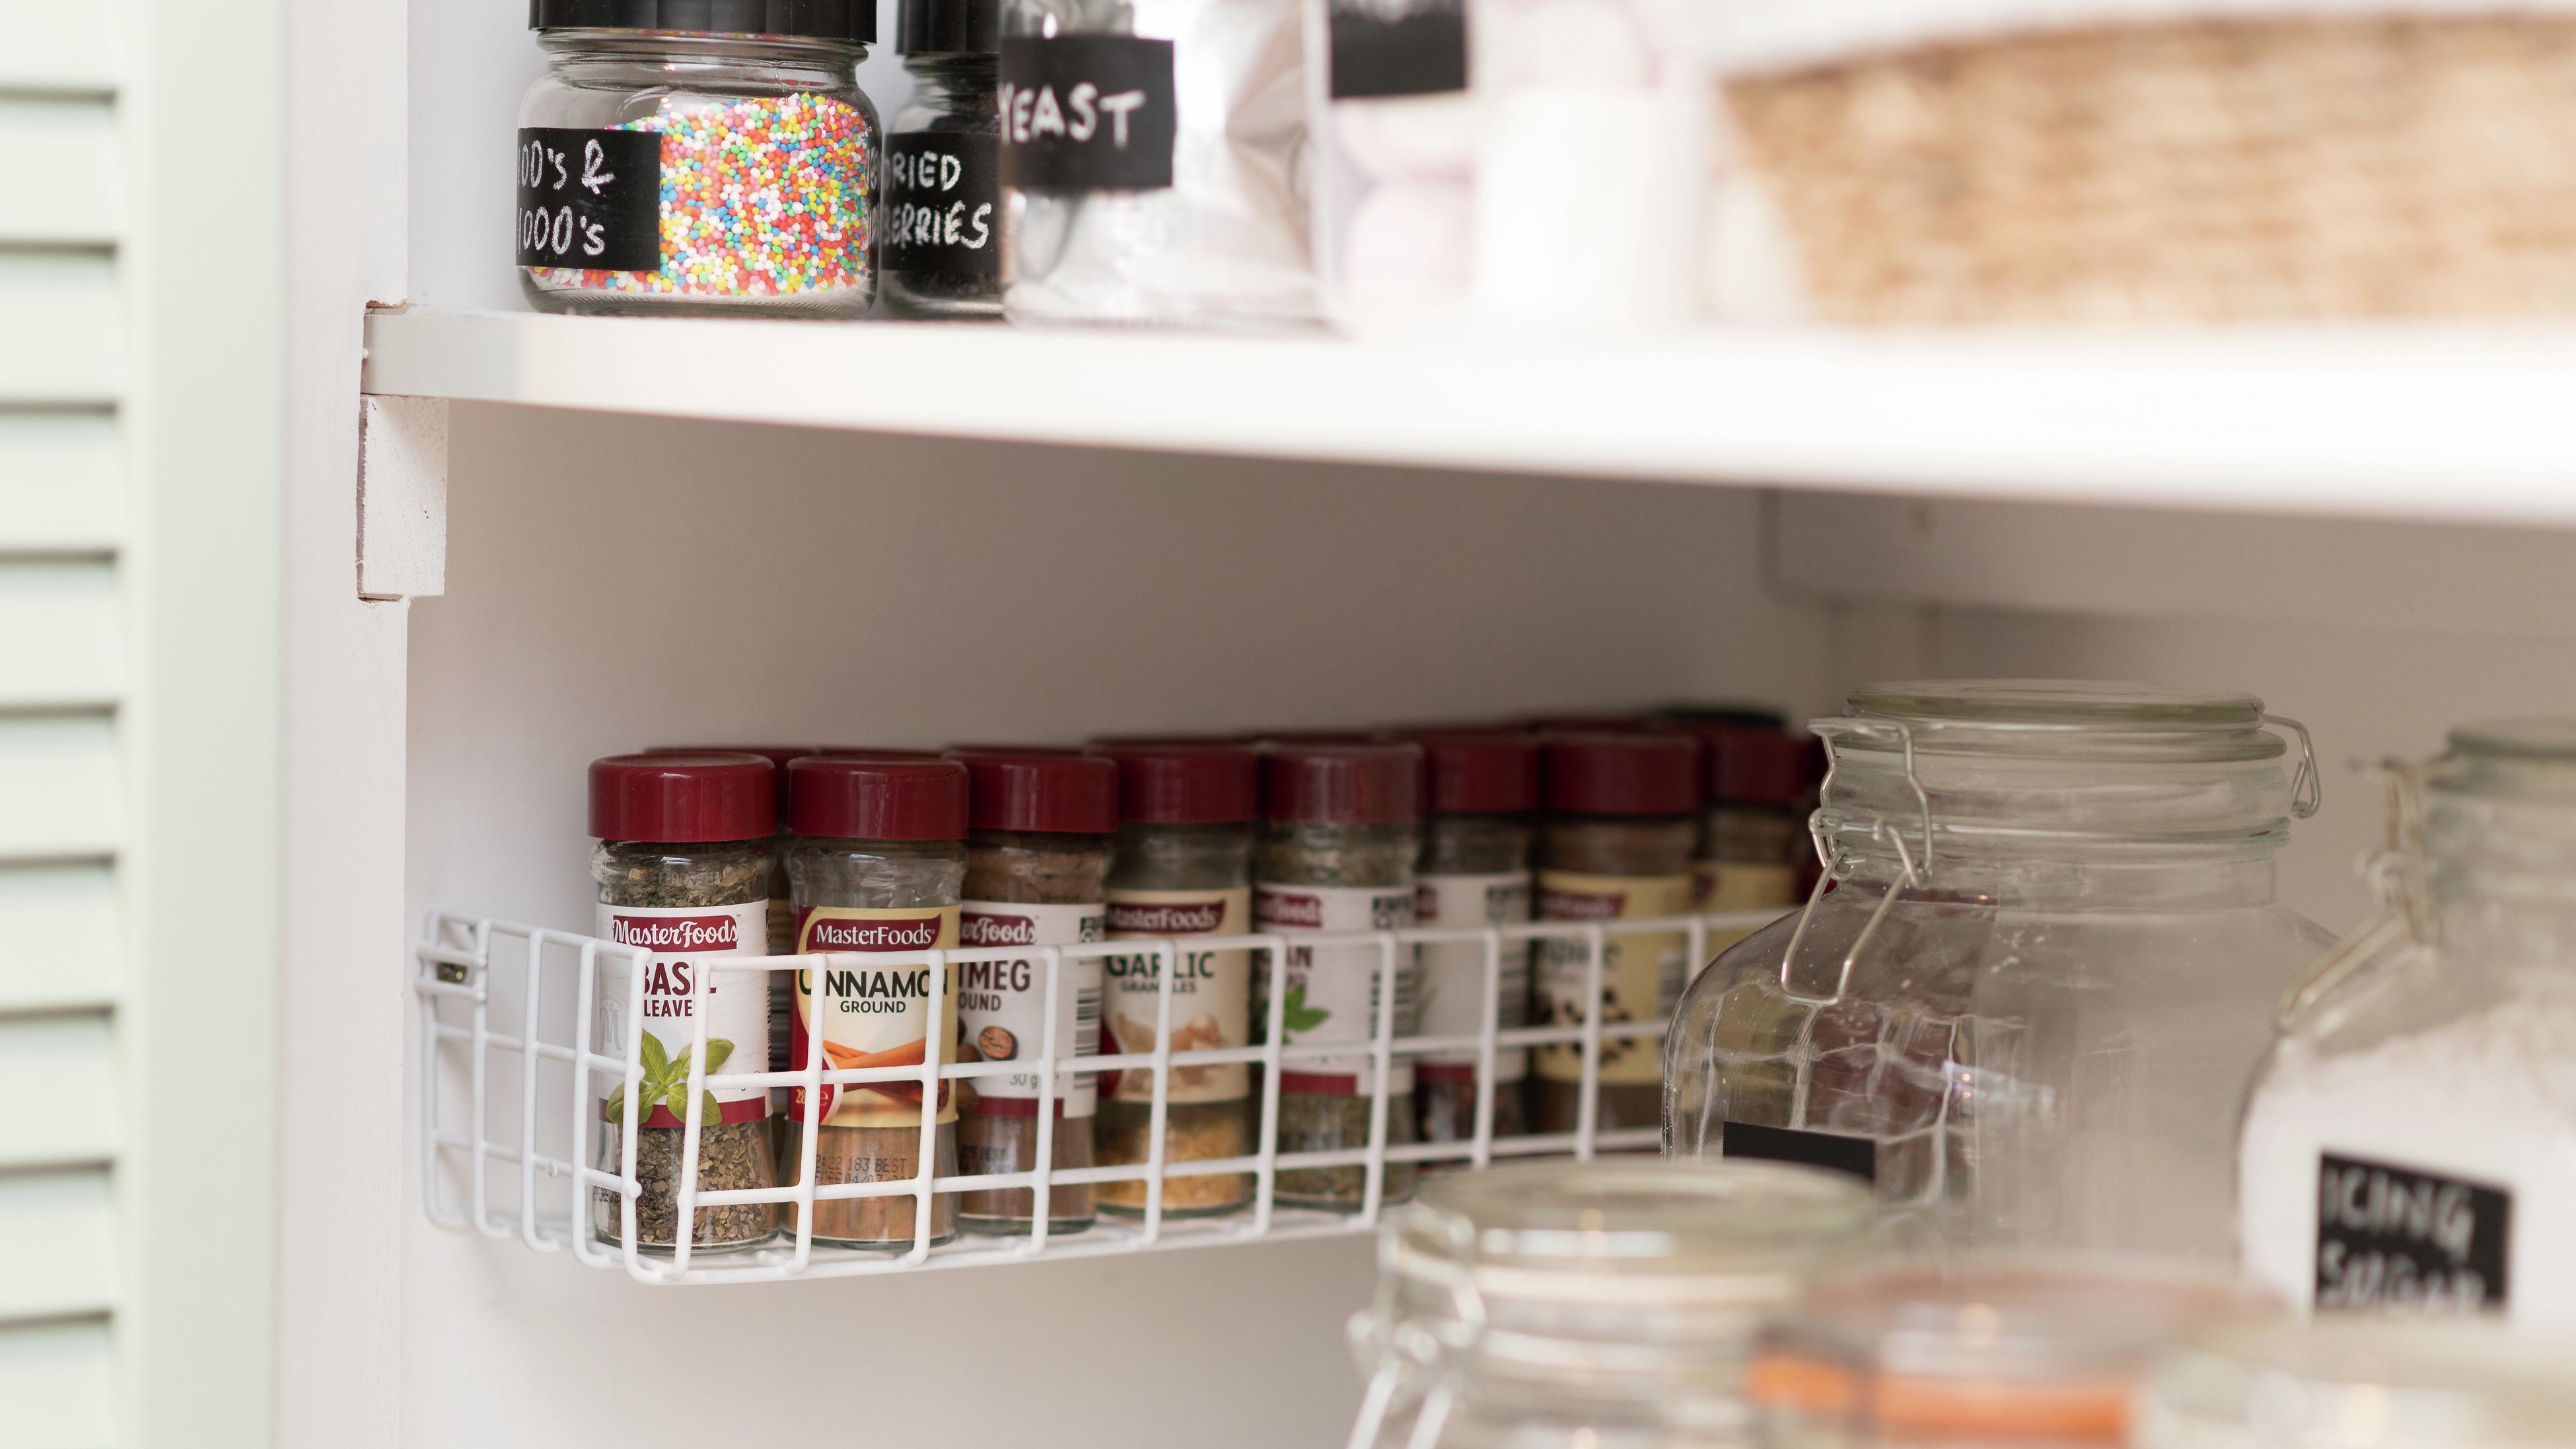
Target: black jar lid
point(846, 20)
point(948, 27)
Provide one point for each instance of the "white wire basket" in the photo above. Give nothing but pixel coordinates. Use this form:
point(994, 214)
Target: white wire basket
point(511, 1084)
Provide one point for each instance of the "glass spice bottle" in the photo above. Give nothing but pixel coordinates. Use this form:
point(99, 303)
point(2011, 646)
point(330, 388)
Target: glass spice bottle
point(877, 866)
point(943, 190)
point(1341, 826)
point(1182, 869)
point(1480, 792)
point(682, 867)
point(1615, 845)
point(1751, 830)
point(1037, 866)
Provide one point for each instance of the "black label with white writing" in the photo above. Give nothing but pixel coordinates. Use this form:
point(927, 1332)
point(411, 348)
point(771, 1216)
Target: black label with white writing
point(1855, 1155)
point(590, 199)
point(944, 203)
point(2391, 1237)
point(1398, 48)
point(1088, 113)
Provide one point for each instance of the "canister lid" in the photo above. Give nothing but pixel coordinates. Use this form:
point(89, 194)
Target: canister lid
point(1641, 774)
point(683, 798)
point(846, 20)
point(1053, 791)
point(2069, 718)
point(1482, 772)
point(2363, 1383)
point(1186, 784)
point(1342, 783)
point(2539, 739)
point(853, 797)
point(948, 27)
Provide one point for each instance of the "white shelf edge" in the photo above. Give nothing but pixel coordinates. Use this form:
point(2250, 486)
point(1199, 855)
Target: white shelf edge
point(2472, 425)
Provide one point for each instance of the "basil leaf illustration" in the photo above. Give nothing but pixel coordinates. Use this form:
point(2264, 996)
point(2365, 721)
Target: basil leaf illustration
point(718, 1049)
point(714, 1111)
point(655, 1062)
point(617, 1105)
point(677, 1099)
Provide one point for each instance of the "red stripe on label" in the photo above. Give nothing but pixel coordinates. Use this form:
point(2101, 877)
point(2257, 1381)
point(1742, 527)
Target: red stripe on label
point(1319, 1086)
point(751, 1109)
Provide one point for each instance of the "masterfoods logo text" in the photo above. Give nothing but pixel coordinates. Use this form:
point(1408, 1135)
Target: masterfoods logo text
point(1582, 905)
point(674, 933)
point(910, 933)
point(983, 930)
point(1166, 918)
point(1285, 908)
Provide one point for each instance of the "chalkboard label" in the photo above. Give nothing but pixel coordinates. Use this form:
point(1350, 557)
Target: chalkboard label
point(1088, 113)
point(1398, 48)
point(944, 203)
point(590, 199)
point(2391, 1237)
point(1855, 1155)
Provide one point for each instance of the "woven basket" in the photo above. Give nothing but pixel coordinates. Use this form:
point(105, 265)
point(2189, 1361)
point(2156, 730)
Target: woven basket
point(2211, 170)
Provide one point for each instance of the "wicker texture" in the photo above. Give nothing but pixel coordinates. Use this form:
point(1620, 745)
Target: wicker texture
point(2217, 171)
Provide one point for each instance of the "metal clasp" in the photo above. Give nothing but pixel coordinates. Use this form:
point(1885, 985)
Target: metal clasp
point(2400, 876)
point(2307, 785)
point(1837, 863)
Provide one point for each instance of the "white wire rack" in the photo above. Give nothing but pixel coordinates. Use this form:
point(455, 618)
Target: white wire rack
point(511, 1084)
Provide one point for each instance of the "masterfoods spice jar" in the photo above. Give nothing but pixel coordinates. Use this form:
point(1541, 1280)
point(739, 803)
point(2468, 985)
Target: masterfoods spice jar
point(1037, 866)
point(1615, 844)
point(1480, 792)
point(1183, 869)
point(878, 862)
point(1340, 827)
point(943, 190)
point(682, 868)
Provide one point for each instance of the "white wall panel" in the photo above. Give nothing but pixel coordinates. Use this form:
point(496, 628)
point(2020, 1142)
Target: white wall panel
point(61, 482)
point(65, 318)
point(64, 784)
point(60, 1075)
point(67, 170)
point(58, 1379)
point(65, 1261)
point(62, 634)
point(65, 938)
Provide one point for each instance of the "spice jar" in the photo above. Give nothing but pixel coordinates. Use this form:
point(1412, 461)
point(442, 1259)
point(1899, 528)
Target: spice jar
point(877, 866)
point(1340, 829)
point(2410, 1145)
point(1480, 795)
point(1597, 1305)
point(1751, 830)
point(2028, 1003)
point(699, 155)
point(943, 187)
point(1182, 869)
point(2361, 1384)
point(682, 868)
point(2039, 1352)
point(1037, 866)
point(1128, 206)
point(1615, 845)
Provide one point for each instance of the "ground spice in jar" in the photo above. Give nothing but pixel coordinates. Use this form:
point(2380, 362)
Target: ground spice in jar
point(877, 865)
point(682, 868)
point(1750, 828)
point(1615, 844)
point(1037, 866)
point(1480, 795)
point(1183, 869)
point(1339, 833)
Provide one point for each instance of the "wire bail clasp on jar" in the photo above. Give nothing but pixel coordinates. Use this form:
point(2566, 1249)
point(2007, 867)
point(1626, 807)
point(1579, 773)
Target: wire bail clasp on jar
point(1413, 1364)
point(2400, 876)
point(1838, 862)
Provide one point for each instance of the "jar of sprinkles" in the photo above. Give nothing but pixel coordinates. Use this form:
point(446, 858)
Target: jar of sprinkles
point(699, 155)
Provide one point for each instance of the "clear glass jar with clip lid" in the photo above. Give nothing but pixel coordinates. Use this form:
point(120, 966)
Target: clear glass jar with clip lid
point(1606, 1305)
point(2034, 978)
point(2410, 1144)
point(2361, 1384)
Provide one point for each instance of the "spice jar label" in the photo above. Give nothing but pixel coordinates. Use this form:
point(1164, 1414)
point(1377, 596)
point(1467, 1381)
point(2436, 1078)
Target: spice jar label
point(1731, 885)
point(1003, 1003)
point(875, 1016)
point(1641, 975)
point(1453, 972)
point(686, 941)
point(2401, 1238)
point(1088, 112)
point(1211, 991)
point(943, 201)
point(1398, 47)
point(1333, 991)
point(590, 199)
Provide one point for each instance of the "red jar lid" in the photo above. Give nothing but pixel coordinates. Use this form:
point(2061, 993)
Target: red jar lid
point(712, 795)
point(777, 755)
point(1343, 784)
point(1047, 790)
point(1754, 766)
point(872, 752)
point(1622, 774)
point(1185, 784)
point(1593, 724)
point(856, 797)
point(1480, 772)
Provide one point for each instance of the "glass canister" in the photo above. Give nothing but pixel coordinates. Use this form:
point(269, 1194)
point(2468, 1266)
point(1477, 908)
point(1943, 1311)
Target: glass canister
point(699, 155)
point(2037, 975)
point(1598, 1305)
point(2362, 1384)
point(1480, 798)
point(2411, 1142)
point(943, 186)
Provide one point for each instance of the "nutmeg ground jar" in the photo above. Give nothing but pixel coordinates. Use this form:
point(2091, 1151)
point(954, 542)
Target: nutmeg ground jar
point(1037, 867)
point(1182, 869)
point(682, 868)
point(879, 859)
point(1341, 825)
point(1615, 845)
point(1480, 796)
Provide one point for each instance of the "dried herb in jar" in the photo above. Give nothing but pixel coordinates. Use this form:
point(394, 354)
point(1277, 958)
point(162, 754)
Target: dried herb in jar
point(1481, 789)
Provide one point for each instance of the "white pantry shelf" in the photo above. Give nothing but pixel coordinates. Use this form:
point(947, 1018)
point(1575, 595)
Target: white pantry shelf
point(2390, 422)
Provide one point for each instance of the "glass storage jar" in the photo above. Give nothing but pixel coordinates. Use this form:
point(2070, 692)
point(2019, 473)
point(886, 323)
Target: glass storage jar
point(2037, 976)
point(943, 186)
point(2361, 1384)
point(2411, 1142)
point(682, 867)
point(1182, 868)
point(1597, 1305)
point(699, 156)
point(1480, 795)
point(877, 866)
